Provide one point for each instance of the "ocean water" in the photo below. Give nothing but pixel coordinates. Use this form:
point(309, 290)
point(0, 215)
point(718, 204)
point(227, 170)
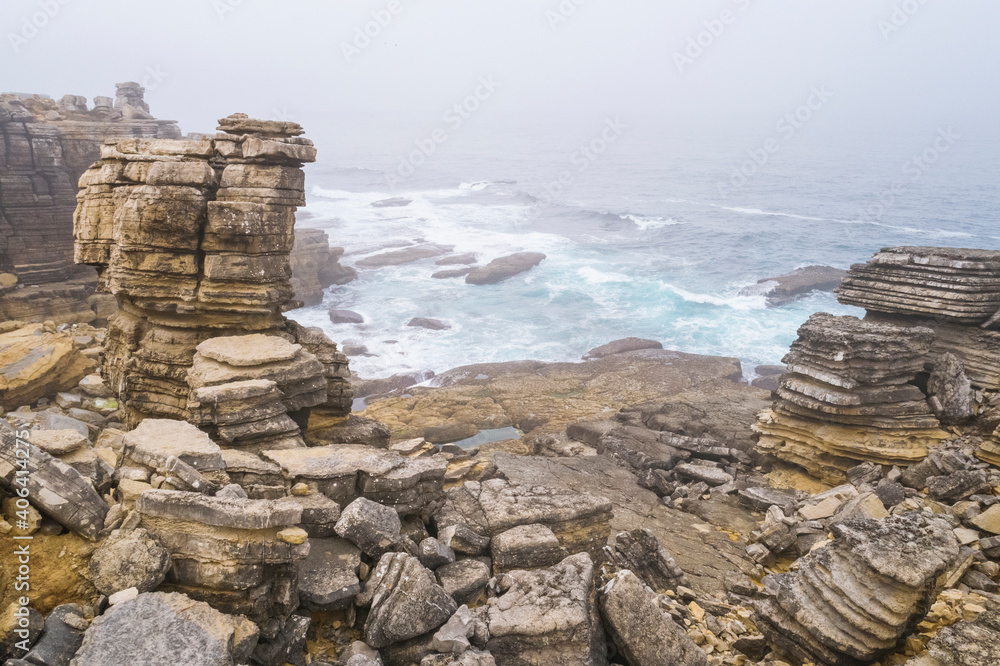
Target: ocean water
point(652, 234)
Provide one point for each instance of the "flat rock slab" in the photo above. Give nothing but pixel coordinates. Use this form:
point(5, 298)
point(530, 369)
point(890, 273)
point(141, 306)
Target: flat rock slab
point(58, 442)
point(580, 520)
point(233, 512)
point(404, 256)
point(155, 440)
point(249, 350)
point(166, 629)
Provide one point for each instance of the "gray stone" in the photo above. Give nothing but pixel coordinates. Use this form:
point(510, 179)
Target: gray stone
point(132, 559)
point(713, 476)
point(61, 637)
point(464, 580)
point(463, 540)
point(429, 324)
point(620, 347)
point(854, 599)
point(373, 528)
point(166, 629)
point(405, 601)
point(503, 268)
point(526, 547)
point(644, 634)
point(640, 552)
point(434, 554)
point(346, 317)
point(547, 616)
point(969, 643)
point(328, 577)
point(453, 637)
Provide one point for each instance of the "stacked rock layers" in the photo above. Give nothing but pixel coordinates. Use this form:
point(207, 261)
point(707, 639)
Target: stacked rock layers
point(849, 395)
point(958, 285)
point(193, 238)
point(44, 148)
point(853, 600)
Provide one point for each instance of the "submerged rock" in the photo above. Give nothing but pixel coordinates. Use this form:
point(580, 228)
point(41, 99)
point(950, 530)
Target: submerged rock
point(620, 347)
point(800, 282)
point(503, 268)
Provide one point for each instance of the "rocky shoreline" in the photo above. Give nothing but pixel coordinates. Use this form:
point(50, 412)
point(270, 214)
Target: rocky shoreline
point(199, 491)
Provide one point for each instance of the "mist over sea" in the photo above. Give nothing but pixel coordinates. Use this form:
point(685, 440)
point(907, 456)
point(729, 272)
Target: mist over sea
point(648, 233)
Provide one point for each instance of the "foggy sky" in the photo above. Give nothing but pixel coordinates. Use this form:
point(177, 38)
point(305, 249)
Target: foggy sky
point(202, 59)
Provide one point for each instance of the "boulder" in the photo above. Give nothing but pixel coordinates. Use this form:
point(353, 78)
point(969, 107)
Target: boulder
point(131, 559)
point(36, 364)
point(526, 547)
point(644, 634)
point(620, 347)
point(346, 317)
point(407, 255)
point(54, 487)
point(328, 577)
point(503, 268)
point(373, 528)
point(547, 616)
point(640, 552)
point(429, 324)
point(405, 601)
point(166, 629)
point(464, 580)
point(853, 600)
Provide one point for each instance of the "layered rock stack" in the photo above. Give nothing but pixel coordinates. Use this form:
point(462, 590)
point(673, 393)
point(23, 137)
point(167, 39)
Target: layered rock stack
point(957, 285)
point(237, 554)
point(936, 310)
point(848, 396)
point(853, 600)
point(193, 238)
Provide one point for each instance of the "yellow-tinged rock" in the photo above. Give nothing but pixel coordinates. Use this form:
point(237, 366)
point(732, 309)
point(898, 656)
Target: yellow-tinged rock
point(697, 611)
point(989, 520)
point(293, 535)
point(35, 363)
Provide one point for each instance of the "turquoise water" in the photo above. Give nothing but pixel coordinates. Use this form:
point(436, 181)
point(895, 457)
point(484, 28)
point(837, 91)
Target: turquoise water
point(653, 238)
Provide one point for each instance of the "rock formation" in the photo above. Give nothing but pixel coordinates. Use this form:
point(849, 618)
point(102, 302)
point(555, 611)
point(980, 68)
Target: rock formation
point(316, 266)
point(852, 601)
point(48, 146)
point(958, 285)
point(848, 395)
point(879, 390)
point(193, 238)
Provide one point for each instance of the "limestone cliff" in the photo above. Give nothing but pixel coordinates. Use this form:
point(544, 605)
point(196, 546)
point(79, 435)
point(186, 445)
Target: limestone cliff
point(46, 146)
